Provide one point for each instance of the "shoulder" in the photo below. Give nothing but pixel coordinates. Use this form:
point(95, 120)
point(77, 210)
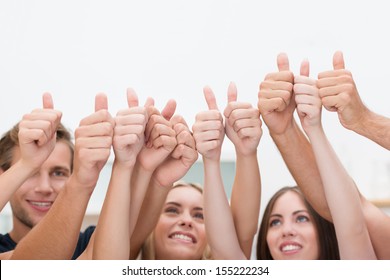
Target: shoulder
point(83, 241)
point(6, 243)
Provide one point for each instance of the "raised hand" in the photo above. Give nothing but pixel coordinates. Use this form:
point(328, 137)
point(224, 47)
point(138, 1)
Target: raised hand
point(242, 124)
point(243, 127)
point(307, 98)
point(129, 130)
point(159, 136)
point(182, 157)
point(208, 128)
point(338, 92)
point(276, 102)
point(37, 133)
point(93, 143)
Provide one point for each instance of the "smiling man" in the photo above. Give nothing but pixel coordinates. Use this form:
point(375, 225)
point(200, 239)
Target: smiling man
point(54, 181)
point(34, 197)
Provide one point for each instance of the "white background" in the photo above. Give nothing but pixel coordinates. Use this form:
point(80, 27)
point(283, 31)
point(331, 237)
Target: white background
point(214, 269)
point(173, 48)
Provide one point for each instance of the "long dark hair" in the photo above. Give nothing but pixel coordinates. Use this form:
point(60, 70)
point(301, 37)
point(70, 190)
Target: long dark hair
point(329, 249)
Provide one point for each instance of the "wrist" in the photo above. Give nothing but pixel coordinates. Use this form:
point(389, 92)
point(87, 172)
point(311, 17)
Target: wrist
point(125, 164)
point(79, 187)
point(314, 131)
point(140, 170)
point(290, 131)
point(211, 161)
point(246, 156)
point(367, 118)
point(155, 182)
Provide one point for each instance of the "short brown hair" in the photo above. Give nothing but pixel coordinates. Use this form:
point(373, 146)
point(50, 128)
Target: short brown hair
point(10, 140)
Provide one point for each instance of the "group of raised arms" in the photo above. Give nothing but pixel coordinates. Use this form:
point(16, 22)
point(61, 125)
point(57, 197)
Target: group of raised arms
point(150, 213)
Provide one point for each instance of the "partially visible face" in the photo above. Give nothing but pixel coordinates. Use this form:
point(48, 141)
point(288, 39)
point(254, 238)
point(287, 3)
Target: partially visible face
point(33, 199)
point(180, 231)
point(292, 233)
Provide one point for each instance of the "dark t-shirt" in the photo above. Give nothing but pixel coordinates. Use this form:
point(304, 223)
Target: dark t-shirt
point(7, 244)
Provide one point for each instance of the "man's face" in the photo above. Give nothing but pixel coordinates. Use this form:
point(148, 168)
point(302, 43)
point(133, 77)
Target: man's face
point(33, 199)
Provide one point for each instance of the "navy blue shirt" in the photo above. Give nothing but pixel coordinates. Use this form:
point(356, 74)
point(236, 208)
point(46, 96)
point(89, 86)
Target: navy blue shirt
point(7, 244)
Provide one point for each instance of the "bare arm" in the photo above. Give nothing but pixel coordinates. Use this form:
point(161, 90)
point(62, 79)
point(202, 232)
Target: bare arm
point(340, 190)
point(339, 93)
point(112, 234)
point(277, 105)
point(378, 224)
point(55, 237)
point(37, 139)
point(344, 202)
point(174, 167)
point(221, 234)
point(160, 142)
point(375, 127)
point(12, 179)
point(243, 128)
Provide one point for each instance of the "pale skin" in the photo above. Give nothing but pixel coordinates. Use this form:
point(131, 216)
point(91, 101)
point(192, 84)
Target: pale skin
point(159, 143)
point(340, 190)
point(153, 153)
point(112, 234)
point(243, 128)
point(276, 104)
point(299, 157)
point(209, 133)
point(56, 235)
point(37, 139)
point(180, 231)
point(292, 233)
point(338, 92)
point(164, 169)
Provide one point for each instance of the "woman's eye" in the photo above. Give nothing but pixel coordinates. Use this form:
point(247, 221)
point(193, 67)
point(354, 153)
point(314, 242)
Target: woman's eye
point(302, 219)
point(171, 210)
point(274, 223)
point(198, 215)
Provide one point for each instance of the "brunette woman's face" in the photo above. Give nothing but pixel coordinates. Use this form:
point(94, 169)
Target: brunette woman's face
point(292, 233)
point(180, 231)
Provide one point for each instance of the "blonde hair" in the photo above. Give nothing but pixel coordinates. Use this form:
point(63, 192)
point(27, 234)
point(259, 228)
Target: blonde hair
point(148, 251)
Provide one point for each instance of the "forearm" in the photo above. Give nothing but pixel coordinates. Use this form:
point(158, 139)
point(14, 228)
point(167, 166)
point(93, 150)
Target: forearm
point(6, 255)
point(11, 180)
point(343, 200)
point(299, 158)
point(112, 238)
point(148, 217)
point(140, 182)
point(218, 218)
point(245, 200)
point(56, 236)
point(378, 224)
point(376, 128)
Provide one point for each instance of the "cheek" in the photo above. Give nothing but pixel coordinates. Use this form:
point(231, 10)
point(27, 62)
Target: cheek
point(314, 240)
point(163, 226)
point(202, 235)
point(271, 238)
point(58, 184)
point(313, 236)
